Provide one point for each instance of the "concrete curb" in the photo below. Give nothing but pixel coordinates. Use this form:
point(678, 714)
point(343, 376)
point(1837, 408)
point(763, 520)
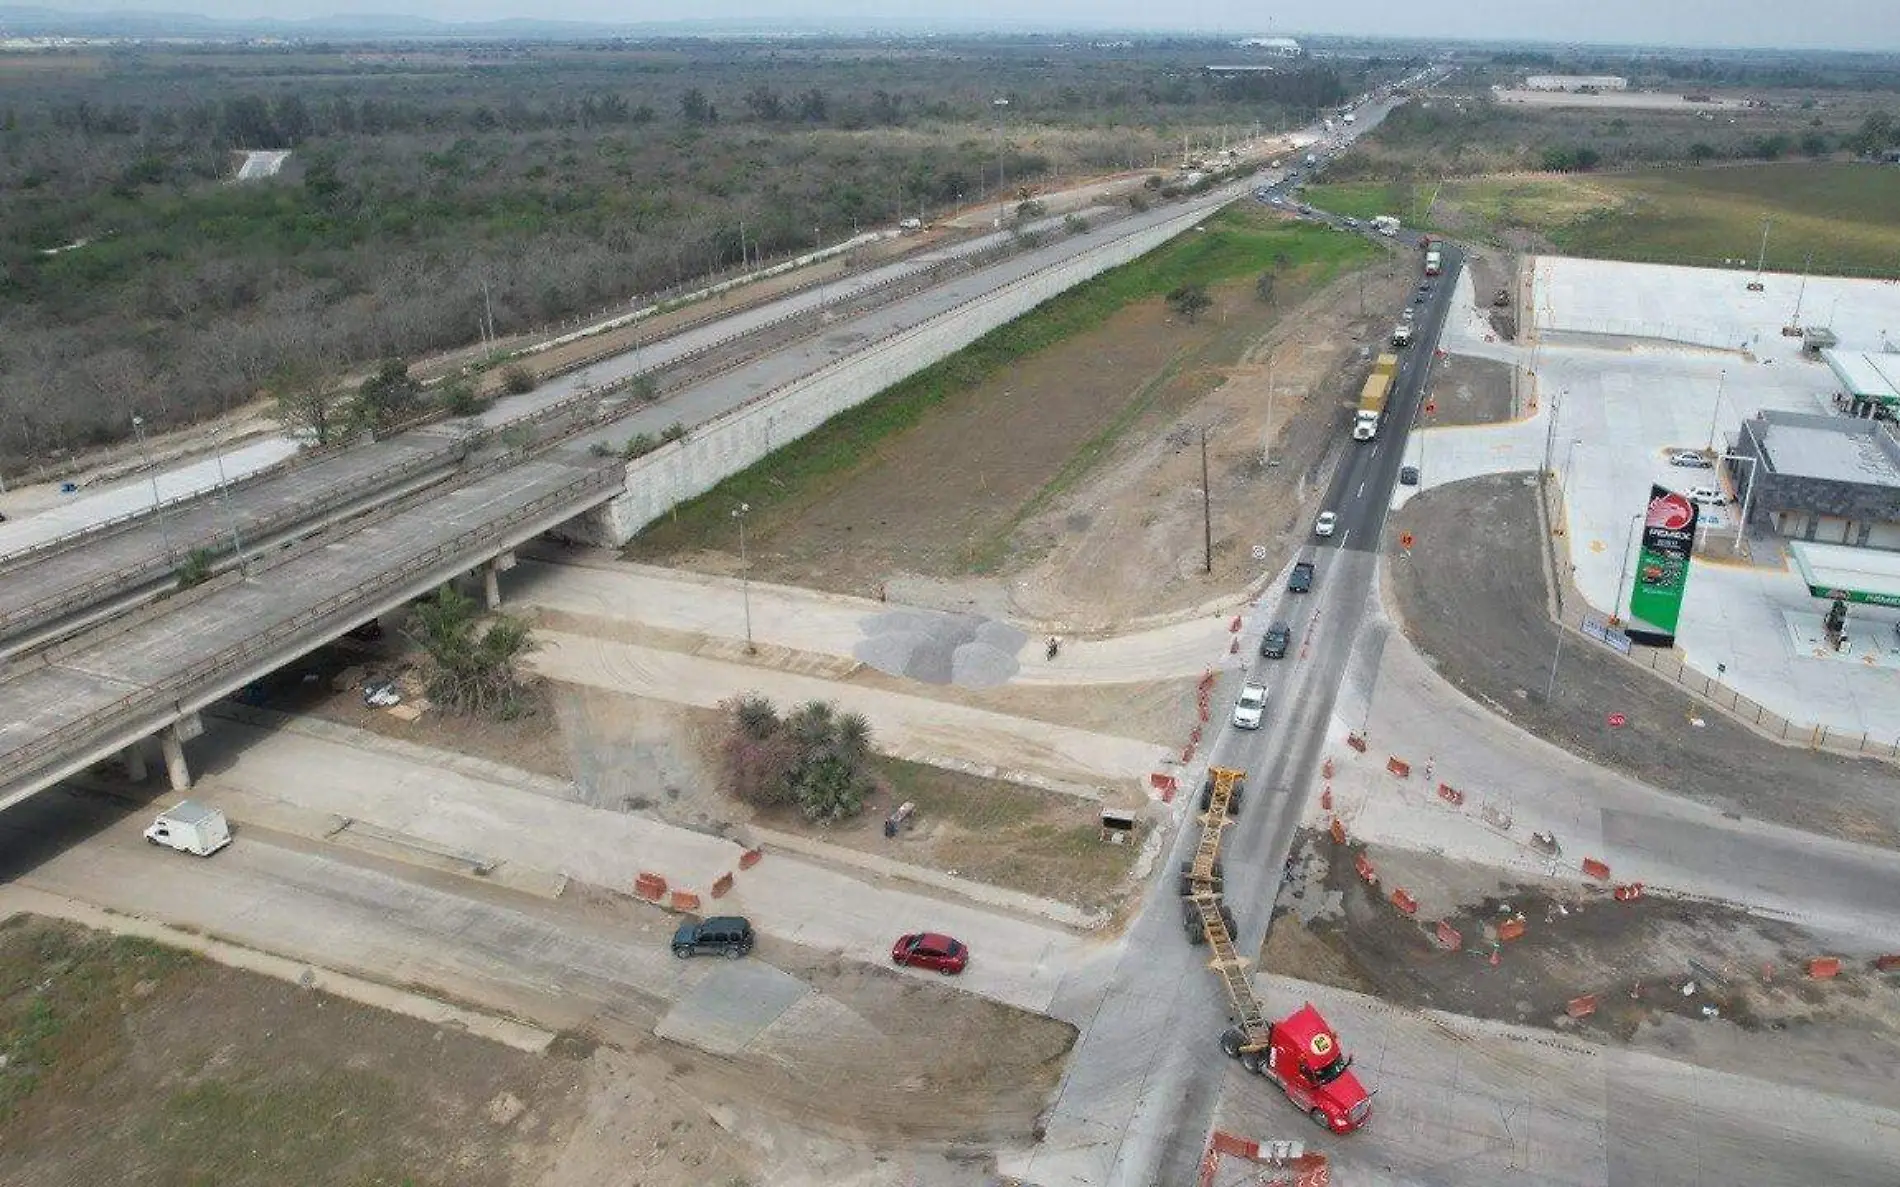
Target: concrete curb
point(18, 899)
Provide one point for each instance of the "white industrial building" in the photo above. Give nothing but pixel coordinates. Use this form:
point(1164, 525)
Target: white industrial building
point(1279, 47)
point(1576, 82)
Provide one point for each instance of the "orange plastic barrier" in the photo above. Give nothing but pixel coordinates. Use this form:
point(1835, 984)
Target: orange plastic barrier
point(1887, 964)
point(750, 858)
point(1162, 782)
point(1233, 648)
point(1338, 830)
point(722, 885)
point(1227, 1143)
point(1207, 680)
point(1356, 742)
point(1823, 967)
point(1448, 937)
point(1595, 869)
point(651, 887)
point(1404, 901)
point(1451, 795)
point(1399, 767)
point(1233, 628)
point(1187, 755)
point(1326, 769)
point(1364, 865)
point(1326, 798)
point(684, 900)
point(1582, 1007)
point(1628, 894)
point(1510, 929)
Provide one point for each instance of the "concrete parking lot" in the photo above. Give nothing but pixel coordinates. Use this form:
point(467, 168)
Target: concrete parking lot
point(1620, 382)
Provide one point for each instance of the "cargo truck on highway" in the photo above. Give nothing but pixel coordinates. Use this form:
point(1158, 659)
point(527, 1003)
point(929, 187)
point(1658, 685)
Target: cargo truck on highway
point(1402, 335)
point(1385, 225)
point(191, 827)
point(1434, 263)
point(1372, 397)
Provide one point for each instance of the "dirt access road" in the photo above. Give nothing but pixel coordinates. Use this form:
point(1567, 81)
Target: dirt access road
point(1070, 483)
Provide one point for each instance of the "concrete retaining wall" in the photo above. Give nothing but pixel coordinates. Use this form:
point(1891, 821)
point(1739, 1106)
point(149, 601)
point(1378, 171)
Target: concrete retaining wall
point(731, 442)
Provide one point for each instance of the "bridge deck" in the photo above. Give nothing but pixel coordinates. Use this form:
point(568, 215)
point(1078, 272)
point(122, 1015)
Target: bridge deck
point(67, 581)
point(208, 642)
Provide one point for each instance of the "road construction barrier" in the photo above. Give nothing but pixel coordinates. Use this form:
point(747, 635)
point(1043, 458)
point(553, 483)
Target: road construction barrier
point(1203, 711)
point(1363, 864)
point(1628, 894)
point(1887, 964)
point(722, 885)
point(1399, 767)
point(1592, 868)
point(1234, 647)
point(1510, 929)
point(1448, 937)
point(1326, 798)
point(1163, 783)
point(1194, 735)
point(1356, 742)
point(1338, 831)
point(684, 900)
point(1187, 755)
point(1404, 901)
point(1326, 768)
point(650, 887)
point(1233, 628)
point(1582, 1007)
point(1451, 795)
point(750, 858)
point(1207, 680)
point(1822, 968)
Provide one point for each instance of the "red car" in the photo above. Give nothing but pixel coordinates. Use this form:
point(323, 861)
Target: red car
point(928, 950)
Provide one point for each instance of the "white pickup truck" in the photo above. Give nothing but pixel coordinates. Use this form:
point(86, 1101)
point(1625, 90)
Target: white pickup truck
point(191, 827)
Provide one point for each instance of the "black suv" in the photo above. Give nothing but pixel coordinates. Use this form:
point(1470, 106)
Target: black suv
point(1273, 644)
point(1302, 579)
point(728, 936)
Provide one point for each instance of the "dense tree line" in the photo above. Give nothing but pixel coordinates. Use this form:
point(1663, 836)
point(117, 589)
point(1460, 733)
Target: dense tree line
point(135, 275)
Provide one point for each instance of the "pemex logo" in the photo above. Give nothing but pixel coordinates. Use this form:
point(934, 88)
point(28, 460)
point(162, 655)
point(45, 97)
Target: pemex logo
point(1670, 512)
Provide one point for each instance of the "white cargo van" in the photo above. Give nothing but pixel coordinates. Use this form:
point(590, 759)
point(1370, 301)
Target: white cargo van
point(191, 827)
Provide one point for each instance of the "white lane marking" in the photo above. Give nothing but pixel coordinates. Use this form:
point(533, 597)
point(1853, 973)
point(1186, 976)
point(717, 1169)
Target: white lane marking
point(1362, 490)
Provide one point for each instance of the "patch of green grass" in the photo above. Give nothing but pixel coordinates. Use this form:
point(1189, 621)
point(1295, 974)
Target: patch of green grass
point(1410, 204)
point(965, 800)
point(1238, 242)
point(61, 995)
point(210, 1132)
point(1846, 215)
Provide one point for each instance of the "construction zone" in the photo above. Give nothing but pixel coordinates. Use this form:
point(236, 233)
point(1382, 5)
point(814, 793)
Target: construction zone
point(1300, 1052)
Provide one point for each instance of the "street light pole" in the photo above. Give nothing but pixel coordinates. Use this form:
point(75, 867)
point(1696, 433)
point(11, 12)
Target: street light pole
point(224, 492)
point(1266, 443)
point(745, 576)
point(1616, 606)
point(1550, 686)
point(1207, 511)
point(1715, 413)
point(158, 504)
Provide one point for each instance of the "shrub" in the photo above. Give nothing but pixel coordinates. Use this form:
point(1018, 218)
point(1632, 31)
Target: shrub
point(459, 398)
point(516, 379)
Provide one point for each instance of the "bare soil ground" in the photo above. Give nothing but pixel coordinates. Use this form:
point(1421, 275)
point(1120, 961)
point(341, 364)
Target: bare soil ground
point(1473, 597)
point(985, 484)
point(328, 683)
point(1492, 271)
point(1657, 966)
point(1468, 391)
point(130, 1063)
point(1022, 838)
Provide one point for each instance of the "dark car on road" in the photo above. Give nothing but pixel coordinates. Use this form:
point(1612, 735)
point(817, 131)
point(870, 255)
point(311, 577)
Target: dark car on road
point(931, 950)
point(1302, 579)
point(1273, 644)
point(726, 935)
point(1408, 475)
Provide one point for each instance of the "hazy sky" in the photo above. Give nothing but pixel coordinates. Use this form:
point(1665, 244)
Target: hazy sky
point(1870, 24)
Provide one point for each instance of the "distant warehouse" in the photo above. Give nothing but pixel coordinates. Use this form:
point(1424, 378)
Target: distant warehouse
point(1576, 82)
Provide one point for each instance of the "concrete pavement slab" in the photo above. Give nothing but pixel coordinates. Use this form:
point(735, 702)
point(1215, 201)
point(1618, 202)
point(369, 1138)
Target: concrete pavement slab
point(1054, 757)
point(732, 1004)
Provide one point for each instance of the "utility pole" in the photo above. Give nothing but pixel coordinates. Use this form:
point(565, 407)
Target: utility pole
point(1761, 261)
point(488, 315)
point(1616, 606)
point(1266, 442)
point(1716, 412)
point(1807, 264)
point(1207, 512)
point(745, 576)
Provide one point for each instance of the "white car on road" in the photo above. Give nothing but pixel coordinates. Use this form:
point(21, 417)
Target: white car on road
point(1324, 525)
point(1251, 707)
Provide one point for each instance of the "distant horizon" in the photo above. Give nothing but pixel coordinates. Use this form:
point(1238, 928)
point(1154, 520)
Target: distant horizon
point(842, 18)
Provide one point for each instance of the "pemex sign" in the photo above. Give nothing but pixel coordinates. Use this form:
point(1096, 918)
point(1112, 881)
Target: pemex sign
point(1662, 567)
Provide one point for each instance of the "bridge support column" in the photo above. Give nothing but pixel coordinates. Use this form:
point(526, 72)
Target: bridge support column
point(133, 757)
point(173, 746)
point(491, 578)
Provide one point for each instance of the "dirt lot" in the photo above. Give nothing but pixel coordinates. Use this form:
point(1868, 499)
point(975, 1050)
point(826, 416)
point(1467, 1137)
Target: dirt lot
point(130, 1063)
point(1468, 391)
point(1473, 598)
point(1656, 966)
point(997, 479)
point(1038, 842)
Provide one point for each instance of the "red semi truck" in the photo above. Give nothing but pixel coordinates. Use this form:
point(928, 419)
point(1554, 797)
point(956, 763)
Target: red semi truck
point(1300, 1052)
point(1302, 1056)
